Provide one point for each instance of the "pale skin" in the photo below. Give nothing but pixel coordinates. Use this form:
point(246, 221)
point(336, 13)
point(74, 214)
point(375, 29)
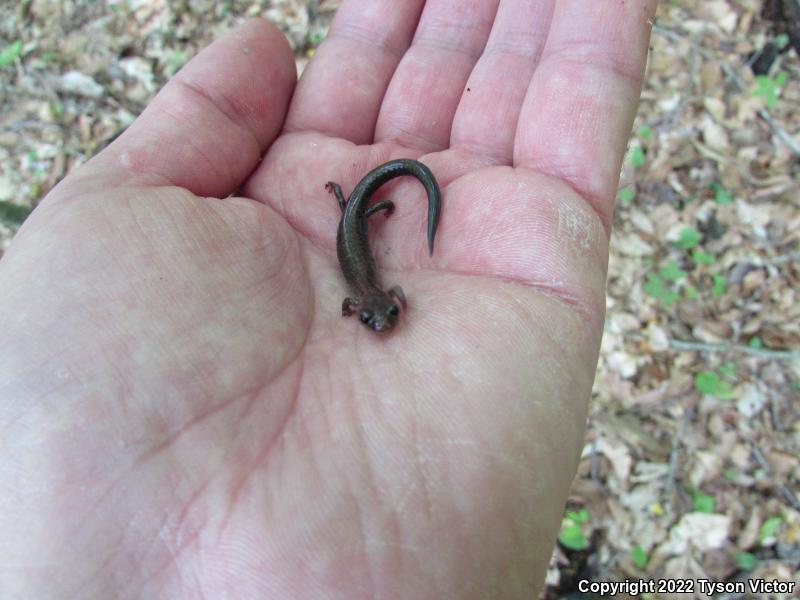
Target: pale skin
point(184, 411)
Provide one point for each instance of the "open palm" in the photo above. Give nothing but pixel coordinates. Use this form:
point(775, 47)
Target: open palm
point(184, 411)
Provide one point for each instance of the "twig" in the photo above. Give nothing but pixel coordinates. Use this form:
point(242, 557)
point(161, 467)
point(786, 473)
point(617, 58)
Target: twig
point(791, 499)
point(786, 137)
point(789, 496)
point(774, 415)
point(783, 258)
point(688, 416)
point(760, 352)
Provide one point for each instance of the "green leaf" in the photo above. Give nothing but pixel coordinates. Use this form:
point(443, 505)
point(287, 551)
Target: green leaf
point(782, 40)
point(672, 271)
point(708, 382)
point(654, 287)
point(579, 517)
point(12, 215)
point(689, 238)
point(174, 62)
point(768, 528)
point(701, 257)
point(719, 286)
point(572, 537)
point(755, 342)
point(645, 132)
point(639, 557)
point(637, 156)
point(670, 297)
point(721, 195)
point(703, 503)
point(690, 291)
point(728, 369)
point(10, 52)
point(625, 194)
point(768, 88)
point(571, 534)
point(745, 560)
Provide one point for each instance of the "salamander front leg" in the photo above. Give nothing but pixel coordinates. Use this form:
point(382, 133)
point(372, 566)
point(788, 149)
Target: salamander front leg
point(347, 306)
point(336, 189)
point(396, 293)
point(386, 205)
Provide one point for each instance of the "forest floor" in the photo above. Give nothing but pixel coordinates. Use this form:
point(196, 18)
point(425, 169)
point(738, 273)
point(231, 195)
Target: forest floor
point(690, 466)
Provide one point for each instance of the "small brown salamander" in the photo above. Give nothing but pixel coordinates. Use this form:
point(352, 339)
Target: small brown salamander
point(377, 309)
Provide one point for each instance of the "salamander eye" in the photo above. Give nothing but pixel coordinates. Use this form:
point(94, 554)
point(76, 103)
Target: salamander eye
point(365, 316)
point(394, 310)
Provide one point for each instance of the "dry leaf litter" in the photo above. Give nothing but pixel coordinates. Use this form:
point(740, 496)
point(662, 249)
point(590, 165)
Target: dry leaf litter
point(690, 466)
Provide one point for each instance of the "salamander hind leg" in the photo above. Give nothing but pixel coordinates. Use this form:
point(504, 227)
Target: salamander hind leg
point(336, 190)
point(347, 306)
point(386, 205)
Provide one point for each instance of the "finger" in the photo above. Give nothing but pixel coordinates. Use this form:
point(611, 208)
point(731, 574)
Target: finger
point(341, 90)
point(207, 129)
point(425, 91)
point(486, 121)
point(578, 112)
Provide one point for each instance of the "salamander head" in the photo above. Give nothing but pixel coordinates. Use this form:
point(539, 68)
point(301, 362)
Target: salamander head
point(379, 312)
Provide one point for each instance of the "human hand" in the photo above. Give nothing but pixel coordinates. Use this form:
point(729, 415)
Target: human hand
point(184, 410)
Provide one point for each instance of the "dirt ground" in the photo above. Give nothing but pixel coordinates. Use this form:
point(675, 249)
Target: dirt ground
point(690, 468)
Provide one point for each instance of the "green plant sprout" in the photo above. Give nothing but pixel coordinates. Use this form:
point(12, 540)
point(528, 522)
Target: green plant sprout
point(709, 383)
point(639, 557)
point(728, 369)
point(769, 88)
point(745, 560)
point(672, 271)
point(719, 286)
point(174, 62)
point(637, 156)
point(703, 258)
point(703, 502)
point(10, 53)
point(656, 288)
point(768, 528)
point(625, 195)
point(315, 38)
point(571, 535)
point(721, 195)
point(689, 238)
